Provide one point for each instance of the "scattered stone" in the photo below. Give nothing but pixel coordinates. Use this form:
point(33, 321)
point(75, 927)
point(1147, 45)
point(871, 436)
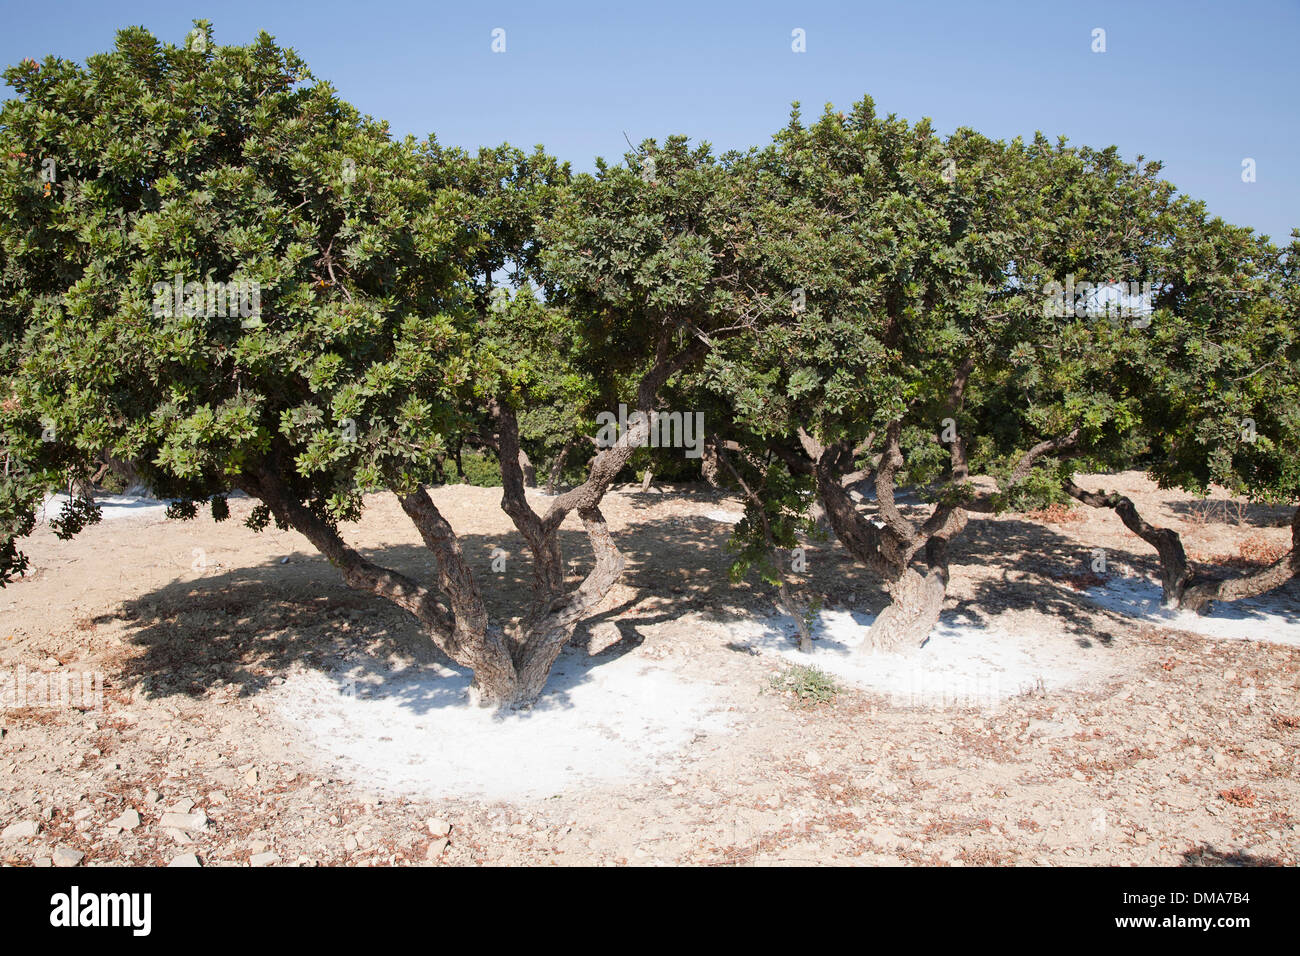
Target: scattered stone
point(189, 822)
point(181, 806)
point(127, 820)
point(185, 859)
point(436, 848)
point(66, 856)
point(22, 830)
point(264, 859)
point(438, 827)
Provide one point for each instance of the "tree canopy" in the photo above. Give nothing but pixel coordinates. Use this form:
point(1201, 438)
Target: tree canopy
point(214, 268)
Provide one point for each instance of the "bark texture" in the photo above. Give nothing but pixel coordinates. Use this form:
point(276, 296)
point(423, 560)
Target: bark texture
point(1182, 585)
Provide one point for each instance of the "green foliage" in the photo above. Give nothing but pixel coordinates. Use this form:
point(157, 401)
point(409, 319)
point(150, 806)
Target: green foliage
point(837, 281)
point(481, 470)
point(808, 684)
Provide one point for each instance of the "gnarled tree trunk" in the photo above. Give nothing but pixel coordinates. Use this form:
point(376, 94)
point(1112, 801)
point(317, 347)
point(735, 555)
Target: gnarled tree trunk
point(1182, 586)
point(510, 670)
point(1200, 595)
point(1175, 574)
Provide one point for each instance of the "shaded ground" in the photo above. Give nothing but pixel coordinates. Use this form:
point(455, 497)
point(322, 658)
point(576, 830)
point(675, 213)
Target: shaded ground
point(195, 627)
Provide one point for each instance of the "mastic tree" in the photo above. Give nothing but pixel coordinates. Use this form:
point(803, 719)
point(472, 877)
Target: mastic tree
point(1216, 377)
point(238, 282)
point(899, 244)
point(1195, 382)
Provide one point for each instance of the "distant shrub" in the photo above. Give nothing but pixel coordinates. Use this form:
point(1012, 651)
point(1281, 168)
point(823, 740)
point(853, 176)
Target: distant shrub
point(480, 470)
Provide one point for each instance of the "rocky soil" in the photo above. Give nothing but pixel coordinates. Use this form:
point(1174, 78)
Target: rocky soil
point(1174, 749)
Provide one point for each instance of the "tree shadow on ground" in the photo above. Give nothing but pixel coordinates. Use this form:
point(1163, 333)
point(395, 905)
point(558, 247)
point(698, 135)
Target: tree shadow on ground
point(246, 627)
point(1040, 569)
point(1220, 511)
point(1208, 855)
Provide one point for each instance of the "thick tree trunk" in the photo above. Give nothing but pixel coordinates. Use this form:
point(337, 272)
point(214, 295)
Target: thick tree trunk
point(460, 632)
point(509, 671)
point(916, 599)
point(915, 602)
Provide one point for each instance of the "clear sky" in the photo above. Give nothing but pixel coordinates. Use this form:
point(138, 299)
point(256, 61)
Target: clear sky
point(1199, 85)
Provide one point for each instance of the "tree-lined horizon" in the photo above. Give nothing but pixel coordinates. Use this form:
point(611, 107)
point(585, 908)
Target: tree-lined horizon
point(858, 305)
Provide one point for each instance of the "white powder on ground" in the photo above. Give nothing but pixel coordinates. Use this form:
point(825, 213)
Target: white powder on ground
point(110, 507)
point(961, 663)
point(1273, 617)
point(727, 517)
point(414, 732)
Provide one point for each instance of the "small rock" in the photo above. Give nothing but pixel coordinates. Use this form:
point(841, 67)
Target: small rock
point(350, 843)
point(181, 806)
point(250, 778)
point(127, 820)
point(438, 827)
point(436, 848)
point(43, 861)
point(185, 859)
point(22, 830)
point(66, 856)
point(264, 859)
point(190, 822)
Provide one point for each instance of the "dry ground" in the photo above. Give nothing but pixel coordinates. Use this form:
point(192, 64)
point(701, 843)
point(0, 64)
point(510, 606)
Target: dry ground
point(1181, 752)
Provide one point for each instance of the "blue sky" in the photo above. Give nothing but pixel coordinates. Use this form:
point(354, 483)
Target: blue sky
point(1199, 85)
